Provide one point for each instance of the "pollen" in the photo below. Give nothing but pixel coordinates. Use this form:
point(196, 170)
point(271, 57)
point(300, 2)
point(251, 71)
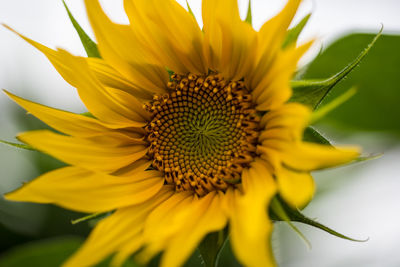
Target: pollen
point(203, 132)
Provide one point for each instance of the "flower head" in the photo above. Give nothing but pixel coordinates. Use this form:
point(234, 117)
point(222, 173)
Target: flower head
point(190, 132)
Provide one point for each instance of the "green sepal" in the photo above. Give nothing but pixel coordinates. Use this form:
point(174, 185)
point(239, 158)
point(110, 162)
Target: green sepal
point(368, 157)
point(293, 33)
point(90, 46)
point(312, 135)
point(21, 146)
point(189, 9)
point(295, 215)
point(211, 246)
point(88, 114)
point(249, 18)
point(89, 217)
point(313, 92)
point(278, 213)
point(170, 73)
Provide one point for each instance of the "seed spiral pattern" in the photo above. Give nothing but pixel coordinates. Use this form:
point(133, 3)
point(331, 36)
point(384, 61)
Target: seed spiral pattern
point(203, 132)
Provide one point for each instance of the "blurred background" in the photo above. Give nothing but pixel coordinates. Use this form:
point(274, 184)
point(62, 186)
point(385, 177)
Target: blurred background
point(361, 200)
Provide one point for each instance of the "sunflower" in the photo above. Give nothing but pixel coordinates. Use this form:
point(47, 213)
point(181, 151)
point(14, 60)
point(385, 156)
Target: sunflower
point(189, 132)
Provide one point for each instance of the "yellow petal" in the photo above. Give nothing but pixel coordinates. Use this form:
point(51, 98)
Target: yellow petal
point(118, 232)
point(156, 235)
point(167, 30)
point(128, 101)
point(109, 77)
point(84, 153)
point(273, 31)
point(100, 102)
point(303, 156)
point(132, 169)
point(284, 134)
point(270, 58)
point(124, 51)
point(250, 226)
point(291, 117)
point(278, 25)
point(297, 188)
point(229, 42)
point(155, 229)
point(202, 216)
point(63, 121)
point(213, 11)
point(271, 156)
point(95, 97)
point(296, 111)
point(85, 191)
point(116, 138)
point(273, 87)
point(309, 156)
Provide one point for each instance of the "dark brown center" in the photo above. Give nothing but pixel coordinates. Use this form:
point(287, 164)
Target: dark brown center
point(203, 133)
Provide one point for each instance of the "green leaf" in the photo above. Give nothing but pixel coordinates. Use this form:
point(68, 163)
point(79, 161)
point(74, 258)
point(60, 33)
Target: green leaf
point(312, 135)
point(46, 253)
point(249, 18)
point(376, 106)
point(21, 146)
point(293, 33)
point(313, 92)
point(325, 109)
point(297, 216)
point(90, 46)
point(211, 247)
